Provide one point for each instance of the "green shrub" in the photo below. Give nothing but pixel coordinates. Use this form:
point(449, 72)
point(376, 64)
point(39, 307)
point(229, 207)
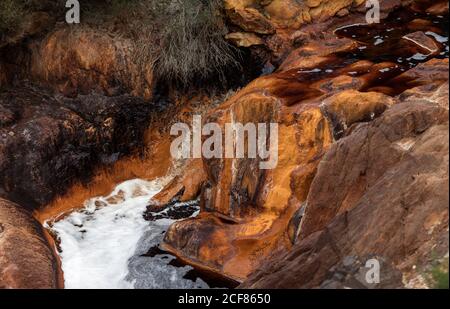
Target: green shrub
point(191, 40)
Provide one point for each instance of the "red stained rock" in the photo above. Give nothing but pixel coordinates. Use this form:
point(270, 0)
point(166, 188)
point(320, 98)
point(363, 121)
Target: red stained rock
point(47, 142)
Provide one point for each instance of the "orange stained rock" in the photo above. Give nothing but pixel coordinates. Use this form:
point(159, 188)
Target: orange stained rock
point(246, 211)
point(155, 165)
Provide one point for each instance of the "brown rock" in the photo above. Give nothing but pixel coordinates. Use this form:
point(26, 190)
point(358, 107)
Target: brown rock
point(433, 72)
point(349, 107)
point(26, 261)
point(425, 43)
point(383, 191)
point(47, 142)
point(83, 60)
point(251, 20)
point(246, 210)
point(244, 39)
point(315, 54)
point(440, 8)
point(182, 188)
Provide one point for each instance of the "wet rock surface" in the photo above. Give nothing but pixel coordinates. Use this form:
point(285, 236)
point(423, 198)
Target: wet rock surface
point(26, 260)
point(388, 185)
point(337, 87)
point(47, 141)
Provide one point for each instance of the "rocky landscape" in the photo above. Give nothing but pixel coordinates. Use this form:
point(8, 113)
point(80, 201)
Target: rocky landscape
point(363, 150)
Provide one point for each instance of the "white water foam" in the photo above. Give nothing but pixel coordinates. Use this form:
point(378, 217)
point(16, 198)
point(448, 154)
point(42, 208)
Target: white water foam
point(97, 242)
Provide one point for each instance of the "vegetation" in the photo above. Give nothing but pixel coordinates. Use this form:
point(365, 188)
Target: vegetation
point(184, 39)
point(13, 13)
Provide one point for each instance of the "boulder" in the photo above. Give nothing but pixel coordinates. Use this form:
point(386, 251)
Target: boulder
point(426, 44)
point(253, 214)
point(382, 190)
point(245, 210)
point(278, 22)
point(26, 261)
point(440, 8)
point(83, 60)
point(47, 141)
point(244, 39)
point(351, 273)
point(316, 54)
point(349, 107)
point(433, 72)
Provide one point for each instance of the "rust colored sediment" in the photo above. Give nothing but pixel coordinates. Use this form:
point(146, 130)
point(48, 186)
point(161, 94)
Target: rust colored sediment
point(105, 180)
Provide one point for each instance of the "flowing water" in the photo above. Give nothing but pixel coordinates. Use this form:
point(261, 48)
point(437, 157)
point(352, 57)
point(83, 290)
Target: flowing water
point(106, 244)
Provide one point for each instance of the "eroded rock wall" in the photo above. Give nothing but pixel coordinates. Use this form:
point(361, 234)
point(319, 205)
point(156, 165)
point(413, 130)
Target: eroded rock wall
point(26, 261)
point(250, 217)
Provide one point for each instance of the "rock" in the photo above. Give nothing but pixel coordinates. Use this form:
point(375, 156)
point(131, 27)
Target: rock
point(382, 190)
point(342, 13)
point(245, 210)
point(182, 188)
point(83, 60)
point(425, 43)
point(251, 20)
point(252, 214)
point(349, 107)
point(26, 261)
point(244, 39)
point(277, 21)
point(439, 95)
point(399, 136)
point(440, 8)
point(47, 142)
